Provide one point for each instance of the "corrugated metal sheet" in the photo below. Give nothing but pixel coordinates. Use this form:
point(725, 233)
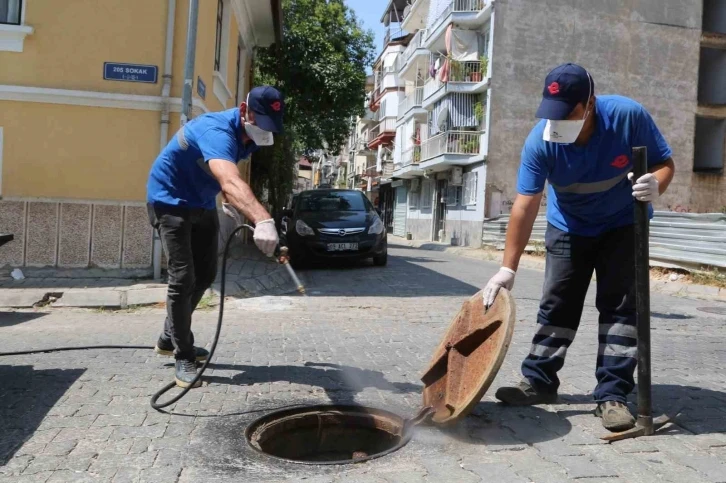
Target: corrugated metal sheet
point(681, 239)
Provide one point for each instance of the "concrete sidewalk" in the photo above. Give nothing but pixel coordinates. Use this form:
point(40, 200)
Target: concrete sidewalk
point(674, 288)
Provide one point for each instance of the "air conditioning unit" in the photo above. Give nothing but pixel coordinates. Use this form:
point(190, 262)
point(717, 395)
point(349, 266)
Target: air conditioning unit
point(456, 176)
point(415, 185)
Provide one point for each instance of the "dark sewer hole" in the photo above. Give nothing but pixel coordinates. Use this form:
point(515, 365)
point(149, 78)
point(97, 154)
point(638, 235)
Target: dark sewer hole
point(713, 310)
point(328, 435)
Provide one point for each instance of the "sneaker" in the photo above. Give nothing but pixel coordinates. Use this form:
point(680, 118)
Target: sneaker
point(524, 395)
point(186, 371)
point(166, 348)
point(615, 416)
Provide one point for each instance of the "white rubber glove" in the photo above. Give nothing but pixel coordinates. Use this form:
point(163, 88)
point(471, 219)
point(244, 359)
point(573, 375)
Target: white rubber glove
point(266, 237)
point(503, 278)
point(645, 187)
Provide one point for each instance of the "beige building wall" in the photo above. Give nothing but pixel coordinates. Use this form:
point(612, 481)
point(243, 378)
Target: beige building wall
point(75, 149)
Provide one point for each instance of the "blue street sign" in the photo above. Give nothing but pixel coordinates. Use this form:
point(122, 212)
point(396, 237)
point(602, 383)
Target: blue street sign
point(130, 72)
point(201, 88)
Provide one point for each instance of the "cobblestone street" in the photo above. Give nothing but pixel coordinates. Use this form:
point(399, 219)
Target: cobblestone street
point(364, 335)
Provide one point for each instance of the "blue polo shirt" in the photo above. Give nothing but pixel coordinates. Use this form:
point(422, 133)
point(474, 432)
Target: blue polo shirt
point(588, 188)
point(180, 176)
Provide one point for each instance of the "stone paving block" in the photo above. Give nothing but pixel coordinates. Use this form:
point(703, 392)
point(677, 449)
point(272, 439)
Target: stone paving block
point(110, 460)
point(584, 467)
point(499, 472)
point(127, 475)
point(123, 432)
point(156, 475)
point(40, 477)
point(51, 463)
point(442, 468)
point(59, 449)
point(119, 420)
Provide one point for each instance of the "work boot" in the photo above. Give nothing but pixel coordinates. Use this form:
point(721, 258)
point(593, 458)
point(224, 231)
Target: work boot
point(166, 348)
point(524, 395)
point(615, 416)
point(186, 371)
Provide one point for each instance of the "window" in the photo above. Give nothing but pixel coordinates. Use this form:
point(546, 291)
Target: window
point(334, 201)
point(426, 194)
point(453, 195)
point(413, 199)
point(218, 44)
point(10, 11)
point(470, 181)
point(709, 151)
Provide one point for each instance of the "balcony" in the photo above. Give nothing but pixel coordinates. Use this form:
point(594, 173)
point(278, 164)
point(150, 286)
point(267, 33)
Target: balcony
point(414, 53)
point(469, 77)
point(392, 34)
point(467, 14)
point(410, 103)
point(382, 133)
point(409, 166)
point(452, 148)
point(416, 17)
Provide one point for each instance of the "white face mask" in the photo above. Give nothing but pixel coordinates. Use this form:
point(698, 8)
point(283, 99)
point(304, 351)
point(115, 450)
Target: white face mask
point(259, 136)
point(565, 132)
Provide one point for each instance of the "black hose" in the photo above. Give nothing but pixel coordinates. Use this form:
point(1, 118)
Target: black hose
point(171, 385)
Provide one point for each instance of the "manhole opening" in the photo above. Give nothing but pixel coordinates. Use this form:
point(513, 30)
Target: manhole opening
point(328, 434)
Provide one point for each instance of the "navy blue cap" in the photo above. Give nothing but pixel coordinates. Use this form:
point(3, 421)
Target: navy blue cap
point(267, 104)
point(565, 87)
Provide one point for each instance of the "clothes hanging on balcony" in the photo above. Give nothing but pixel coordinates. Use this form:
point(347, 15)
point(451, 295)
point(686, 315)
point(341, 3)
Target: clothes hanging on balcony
point(464, 45)
point(446, 68)
point(379, 160)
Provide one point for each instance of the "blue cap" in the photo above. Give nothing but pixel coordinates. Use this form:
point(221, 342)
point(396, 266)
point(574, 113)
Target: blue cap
point(565, 87)
point(267, 104)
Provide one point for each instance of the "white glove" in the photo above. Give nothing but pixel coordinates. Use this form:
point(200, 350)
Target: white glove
point(266, 237)
point(503, 278)
point(645, 188)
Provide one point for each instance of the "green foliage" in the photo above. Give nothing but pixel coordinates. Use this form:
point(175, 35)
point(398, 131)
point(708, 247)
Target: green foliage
point(321, 70)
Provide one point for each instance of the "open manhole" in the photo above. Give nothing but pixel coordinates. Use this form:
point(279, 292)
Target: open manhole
point(333, 434)
point(461, 370)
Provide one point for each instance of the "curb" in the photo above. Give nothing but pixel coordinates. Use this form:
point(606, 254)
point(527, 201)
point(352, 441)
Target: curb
point(674, 289)
point(110, 297)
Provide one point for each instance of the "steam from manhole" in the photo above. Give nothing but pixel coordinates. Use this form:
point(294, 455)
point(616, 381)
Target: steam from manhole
point(713, 310)
point(328, 435)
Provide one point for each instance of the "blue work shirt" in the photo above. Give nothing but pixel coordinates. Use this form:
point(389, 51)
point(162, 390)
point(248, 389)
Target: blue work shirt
point(589, 191)
point(180, 176)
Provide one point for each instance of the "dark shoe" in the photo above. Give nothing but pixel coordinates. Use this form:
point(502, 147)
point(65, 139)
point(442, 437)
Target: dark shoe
point(166, 348)
point(186, 371)
point(524, 395)
point(615, 416)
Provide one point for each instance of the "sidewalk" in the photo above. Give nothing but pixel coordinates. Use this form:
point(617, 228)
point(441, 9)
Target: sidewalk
point(674, 288)
point(249, 274)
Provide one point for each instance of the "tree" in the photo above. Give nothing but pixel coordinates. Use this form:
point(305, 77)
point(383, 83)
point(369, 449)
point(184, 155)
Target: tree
point(320, 68)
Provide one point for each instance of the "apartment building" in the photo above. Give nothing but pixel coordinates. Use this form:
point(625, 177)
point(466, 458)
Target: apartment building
point(467, 77)
point(89, 94)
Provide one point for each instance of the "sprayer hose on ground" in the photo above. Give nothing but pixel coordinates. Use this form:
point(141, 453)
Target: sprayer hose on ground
point(280, 253)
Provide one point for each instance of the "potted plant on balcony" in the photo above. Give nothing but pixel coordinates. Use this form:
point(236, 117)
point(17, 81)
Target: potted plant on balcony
point(479, 111)
point(416, 156)
point(483, 65)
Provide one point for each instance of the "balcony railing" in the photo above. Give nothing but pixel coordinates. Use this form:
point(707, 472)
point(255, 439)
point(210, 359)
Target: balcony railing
point(411, 156)
point(468, 71)
point(431, 87)
point(452, 142)
point(393, 33)
point(388, 124)
point(458, 6)
point(411, 101)
point(414, 45)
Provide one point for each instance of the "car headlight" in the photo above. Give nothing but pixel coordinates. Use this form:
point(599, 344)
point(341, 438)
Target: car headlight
point(303, 229)
point(376, 228)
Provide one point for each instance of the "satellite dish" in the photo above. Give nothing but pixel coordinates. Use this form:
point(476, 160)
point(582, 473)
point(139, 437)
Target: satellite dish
point(443, 119)
point(387, 21)
point(406, 11)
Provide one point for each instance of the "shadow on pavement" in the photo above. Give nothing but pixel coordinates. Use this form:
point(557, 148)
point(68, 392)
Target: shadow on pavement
point(338, 382)
point(26, 396)
point(671, 316)
point(701, 410)
point(8, 319)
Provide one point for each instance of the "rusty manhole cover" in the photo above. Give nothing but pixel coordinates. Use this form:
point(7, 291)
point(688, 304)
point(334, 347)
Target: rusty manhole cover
point(328, 435)
point(468, 358)
point(713, 310)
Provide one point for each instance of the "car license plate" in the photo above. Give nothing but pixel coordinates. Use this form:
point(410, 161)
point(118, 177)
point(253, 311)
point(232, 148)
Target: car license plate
point(342, 247)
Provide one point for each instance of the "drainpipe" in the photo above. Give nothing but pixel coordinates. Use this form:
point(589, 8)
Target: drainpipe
point(165, 92)
point(189, 61)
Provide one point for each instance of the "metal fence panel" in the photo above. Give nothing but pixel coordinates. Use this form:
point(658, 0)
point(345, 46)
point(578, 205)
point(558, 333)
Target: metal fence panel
point(685, 240)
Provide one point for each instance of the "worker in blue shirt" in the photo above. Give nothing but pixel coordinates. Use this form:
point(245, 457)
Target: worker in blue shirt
point(199, 162)
point(582, 147)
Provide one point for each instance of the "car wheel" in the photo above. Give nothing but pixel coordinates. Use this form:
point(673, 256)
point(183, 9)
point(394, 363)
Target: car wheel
point(381, 260)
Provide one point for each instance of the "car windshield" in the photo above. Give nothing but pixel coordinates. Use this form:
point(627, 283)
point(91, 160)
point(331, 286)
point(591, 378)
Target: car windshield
point(331, 201)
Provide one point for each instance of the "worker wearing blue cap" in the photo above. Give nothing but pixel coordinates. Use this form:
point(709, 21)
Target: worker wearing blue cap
point(199, 162)
point(582, 147)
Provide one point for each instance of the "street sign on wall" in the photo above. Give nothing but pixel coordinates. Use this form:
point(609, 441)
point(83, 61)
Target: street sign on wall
point(130, 72)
